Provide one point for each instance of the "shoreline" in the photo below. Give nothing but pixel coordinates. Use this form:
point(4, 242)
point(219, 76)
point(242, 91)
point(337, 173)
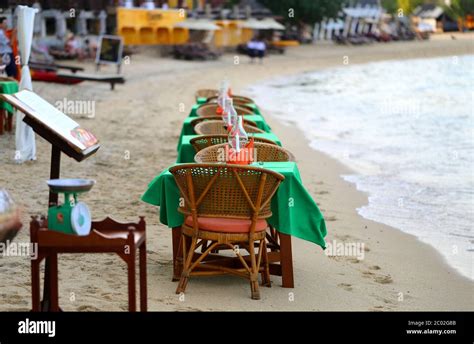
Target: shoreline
point(366, 210)
point(399, 271)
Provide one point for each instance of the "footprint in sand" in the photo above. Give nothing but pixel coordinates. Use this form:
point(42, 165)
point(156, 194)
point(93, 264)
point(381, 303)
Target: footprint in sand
point(354, 260)
point(384, 279)
point(345, 286)
point(374, 267)
point(367, 274)
point(330, 218)
point(321, 192)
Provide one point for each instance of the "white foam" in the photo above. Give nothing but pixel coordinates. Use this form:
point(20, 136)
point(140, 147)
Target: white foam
point(406, 129)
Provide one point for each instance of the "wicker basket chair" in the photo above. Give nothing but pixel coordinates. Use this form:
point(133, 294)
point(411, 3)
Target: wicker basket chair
point(227, 206)
point(206, 93)
point(198, 120)
point(205, 141)
point(218, 127)
point(207, 110)
point(265, 152)
point(237, 100)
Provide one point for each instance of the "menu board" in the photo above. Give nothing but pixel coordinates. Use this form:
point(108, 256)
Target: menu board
point(110, 50)
point(49, 116)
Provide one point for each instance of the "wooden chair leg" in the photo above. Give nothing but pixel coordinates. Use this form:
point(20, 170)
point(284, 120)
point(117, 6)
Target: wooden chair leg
point(132, 303)
point(266, 269)
point(143, 286)
point(187, 259)
point(255, 293)
point(35, 285)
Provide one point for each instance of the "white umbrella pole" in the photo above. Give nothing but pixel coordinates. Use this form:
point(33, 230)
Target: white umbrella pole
point(24, 135)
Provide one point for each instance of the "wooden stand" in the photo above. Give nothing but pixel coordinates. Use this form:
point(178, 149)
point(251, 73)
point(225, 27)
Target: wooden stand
point(59, 145)
point(107, 236)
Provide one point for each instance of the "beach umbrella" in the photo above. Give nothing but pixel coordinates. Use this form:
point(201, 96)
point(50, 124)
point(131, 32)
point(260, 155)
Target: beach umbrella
point(38, 19)
point(82, 24)
point(198, 24)
point(253, 24)
point(272, 24)
point(61, 26)
point(102, 22)
point(24, 135)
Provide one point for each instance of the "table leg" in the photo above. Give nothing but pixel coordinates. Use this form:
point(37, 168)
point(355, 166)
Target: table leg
point(9, 121)
point(143, 286)
point(132, 301)
point(35, 285)
point(286, 261)
point(53, 283)
point(176, 234)
point(2, 121)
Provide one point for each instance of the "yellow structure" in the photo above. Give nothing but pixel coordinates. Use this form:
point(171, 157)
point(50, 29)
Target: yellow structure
point(189, 3)
point(231, 33)
point(148, 27)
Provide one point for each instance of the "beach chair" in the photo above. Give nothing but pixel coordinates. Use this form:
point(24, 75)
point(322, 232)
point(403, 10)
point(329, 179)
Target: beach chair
point(198, 120)
point(110, 79)
point(210, 109)
point(237, 100)
point(206, 93)
point(227, 206)
point(53, 67)
point(265, 152)
point(218, 127)
point(201, 142)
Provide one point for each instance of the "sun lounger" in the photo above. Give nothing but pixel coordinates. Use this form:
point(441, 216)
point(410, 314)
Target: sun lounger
point(54, 67)
point(111, 79)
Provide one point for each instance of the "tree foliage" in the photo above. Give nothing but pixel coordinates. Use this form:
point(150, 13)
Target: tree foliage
point(306, 11)
point(460, 8)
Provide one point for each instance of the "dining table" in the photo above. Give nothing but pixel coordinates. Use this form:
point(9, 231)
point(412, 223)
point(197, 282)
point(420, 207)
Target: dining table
point(201, 101)
point(188, 128)
point(186, 151)
point(294, 214)
point(7, 86)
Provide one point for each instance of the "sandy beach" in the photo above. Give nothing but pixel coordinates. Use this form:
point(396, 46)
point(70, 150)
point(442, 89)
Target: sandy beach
point(138, 125)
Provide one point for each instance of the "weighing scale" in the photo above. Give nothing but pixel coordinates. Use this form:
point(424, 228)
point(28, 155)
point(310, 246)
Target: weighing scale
point(71, 217)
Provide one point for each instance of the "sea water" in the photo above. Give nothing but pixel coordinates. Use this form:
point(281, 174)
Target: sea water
point(406, 130)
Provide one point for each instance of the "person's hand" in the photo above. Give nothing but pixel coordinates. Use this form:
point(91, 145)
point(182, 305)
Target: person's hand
point(10, 226)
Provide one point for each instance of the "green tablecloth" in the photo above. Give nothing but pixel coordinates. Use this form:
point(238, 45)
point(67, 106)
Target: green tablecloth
point(294, 211)
point(189, 130)
point(193, 113)
point(8, 87)
point(186, 151)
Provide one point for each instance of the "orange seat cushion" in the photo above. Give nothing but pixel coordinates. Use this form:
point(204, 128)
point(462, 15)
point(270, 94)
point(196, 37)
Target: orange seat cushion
point(217, 224)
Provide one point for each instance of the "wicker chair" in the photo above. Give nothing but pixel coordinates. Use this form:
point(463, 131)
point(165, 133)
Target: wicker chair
point(265, 153)
point(207, 110)
point(205, 141)
point(198, 120)
point(218, 127)
point(206, 93)
point(226, 206)
point(237, 100)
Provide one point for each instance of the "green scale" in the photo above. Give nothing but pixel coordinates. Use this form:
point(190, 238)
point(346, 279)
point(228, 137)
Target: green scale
point(71, 217)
